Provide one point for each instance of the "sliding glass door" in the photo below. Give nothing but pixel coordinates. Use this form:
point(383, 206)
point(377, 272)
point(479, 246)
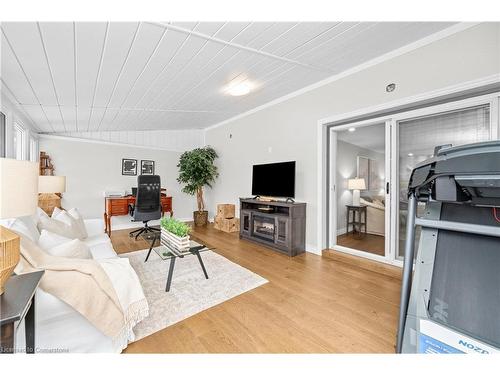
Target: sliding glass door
point(375, 158)
point(417, 138)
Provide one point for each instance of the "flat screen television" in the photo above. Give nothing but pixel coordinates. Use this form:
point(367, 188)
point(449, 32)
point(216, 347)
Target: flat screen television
point(274, 180)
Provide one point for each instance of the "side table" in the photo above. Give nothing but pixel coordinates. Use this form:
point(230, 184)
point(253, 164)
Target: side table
point(18, 304)
point(358, 221)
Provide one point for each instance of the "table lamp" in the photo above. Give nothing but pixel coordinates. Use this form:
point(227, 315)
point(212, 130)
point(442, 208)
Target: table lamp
point(356, 184)
point(50, 189)
point(18, 197)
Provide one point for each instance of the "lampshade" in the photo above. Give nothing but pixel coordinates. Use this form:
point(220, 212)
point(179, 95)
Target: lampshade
point(51, 184)
point(18, 188)
point(356, 184)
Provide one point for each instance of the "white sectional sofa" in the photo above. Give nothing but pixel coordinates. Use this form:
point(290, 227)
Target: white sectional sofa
point(58, 326)
point(375, 216)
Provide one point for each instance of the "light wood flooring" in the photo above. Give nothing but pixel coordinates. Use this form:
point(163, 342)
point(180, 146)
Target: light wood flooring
point(369, 243)
point(312, 304)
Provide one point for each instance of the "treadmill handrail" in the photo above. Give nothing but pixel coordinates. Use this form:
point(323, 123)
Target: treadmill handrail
point(406, 277)
point(455, 226)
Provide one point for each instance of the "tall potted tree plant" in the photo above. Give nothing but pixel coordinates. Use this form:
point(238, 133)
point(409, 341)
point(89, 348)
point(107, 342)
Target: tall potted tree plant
point(196, 170)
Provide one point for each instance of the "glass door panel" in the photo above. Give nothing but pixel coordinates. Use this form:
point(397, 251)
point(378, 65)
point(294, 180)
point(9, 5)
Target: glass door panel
point(360, 197)
point(417, 139)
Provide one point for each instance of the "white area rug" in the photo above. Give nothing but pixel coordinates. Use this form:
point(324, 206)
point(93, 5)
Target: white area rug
point(190, 293)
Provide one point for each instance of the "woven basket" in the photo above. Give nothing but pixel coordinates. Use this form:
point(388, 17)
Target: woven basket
point(47, 202)
point(9, 255)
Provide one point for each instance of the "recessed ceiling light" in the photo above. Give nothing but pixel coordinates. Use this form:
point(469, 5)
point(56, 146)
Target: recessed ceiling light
point(352, 129)
point(410, 154)
point(239, 88)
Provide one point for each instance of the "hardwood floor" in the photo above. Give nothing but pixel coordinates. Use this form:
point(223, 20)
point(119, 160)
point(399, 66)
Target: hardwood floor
point(312, 304)
point(370, 243)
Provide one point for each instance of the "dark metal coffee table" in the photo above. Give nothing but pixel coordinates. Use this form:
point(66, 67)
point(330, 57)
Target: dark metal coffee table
point(166, 252)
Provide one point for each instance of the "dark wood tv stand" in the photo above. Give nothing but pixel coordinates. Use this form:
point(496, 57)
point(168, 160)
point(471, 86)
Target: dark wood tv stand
point(279, 225)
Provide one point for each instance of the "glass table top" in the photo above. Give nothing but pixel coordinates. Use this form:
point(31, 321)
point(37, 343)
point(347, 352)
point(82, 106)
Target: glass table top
point(166, 252)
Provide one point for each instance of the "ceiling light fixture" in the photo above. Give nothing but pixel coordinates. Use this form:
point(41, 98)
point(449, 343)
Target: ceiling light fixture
point(352, 129)
point(239, 88)
point(410, 154)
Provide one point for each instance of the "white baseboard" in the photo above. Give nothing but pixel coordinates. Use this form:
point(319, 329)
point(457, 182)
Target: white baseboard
point(312, 249)
point(341, 231)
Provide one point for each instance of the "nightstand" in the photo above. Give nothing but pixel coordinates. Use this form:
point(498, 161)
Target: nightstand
point(18, 304)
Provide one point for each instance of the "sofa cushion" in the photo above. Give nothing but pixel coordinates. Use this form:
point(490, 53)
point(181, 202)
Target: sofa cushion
point(97, 239)
point(94, 226)
point(102, 250)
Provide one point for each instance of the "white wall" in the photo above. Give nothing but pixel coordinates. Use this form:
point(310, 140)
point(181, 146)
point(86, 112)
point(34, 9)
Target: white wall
point(288, 130)
point(91, 168)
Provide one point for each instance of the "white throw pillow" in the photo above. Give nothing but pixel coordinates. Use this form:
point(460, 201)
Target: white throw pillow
point(56, 212)
point(49, 240)
point(75, 214)
point(30, 222)
point(58, 227)
point(73, 219)
point(18, 226)
point(41, 213)
point(71, 249)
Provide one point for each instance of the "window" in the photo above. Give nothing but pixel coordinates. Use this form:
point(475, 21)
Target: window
point(3, 136)
point(33, 149)
point(19, 137)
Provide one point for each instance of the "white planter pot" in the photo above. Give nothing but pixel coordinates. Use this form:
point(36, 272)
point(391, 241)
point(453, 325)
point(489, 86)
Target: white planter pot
point(179, 243)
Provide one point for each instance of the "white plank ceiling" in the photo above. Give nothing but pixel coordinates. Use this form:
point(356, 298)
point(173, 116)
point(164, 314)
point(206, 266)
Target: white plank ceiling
point(98, 76)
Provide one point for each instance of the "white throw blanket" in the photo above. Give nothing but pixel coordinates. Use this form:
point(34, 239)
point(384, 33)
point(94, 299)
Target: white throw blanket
point(128, 289)
point(106, 292)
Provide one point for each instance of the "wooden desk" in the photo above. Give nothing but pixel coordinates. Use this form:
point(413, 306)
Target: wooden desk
point(119, 206)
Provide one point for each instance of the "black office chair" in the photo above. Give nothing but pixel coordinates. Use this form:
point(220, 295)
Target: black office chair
point(147, 203)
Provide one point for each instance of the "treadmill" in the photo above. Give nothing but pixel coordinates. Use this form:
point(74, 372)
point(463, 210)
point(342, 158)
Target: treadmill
point(452, 305)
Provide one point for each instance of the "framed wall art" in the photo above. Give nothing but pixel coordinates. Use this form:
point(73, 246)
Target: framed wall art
point(129, 167)
point(147, 167)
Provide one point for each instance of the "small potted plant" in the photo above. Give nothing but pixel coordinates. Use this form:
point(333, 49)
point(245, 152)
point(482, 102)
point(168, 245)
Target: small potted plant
point(176, 233)
point(197, 169)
